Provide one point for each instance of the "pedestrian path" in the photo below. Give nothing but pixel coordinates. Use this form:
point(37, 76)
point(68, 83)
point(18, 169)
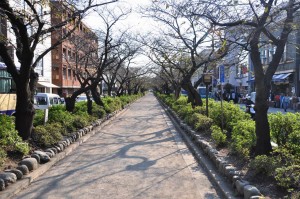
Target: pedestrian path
point(138, 155)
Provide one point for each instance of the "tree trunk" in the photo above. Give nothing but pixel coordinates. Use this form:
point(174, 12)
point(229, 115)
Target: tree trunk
point(24, 107)
point(24, 111)
point(96, 96)
point(262, 128)
point(89, 104)
point(109, 90)
point(193, 95)
point(70, 103)
point(177, 90)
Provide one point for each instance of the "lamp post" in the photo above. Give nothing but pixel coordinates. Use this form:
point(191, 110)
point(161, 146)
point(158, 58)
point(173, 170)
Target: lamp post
point(207, 79)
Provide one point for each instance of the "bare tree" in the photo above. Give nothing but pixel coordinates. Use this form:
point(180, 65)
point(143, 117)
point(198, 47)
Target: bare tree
point(126, 75)
point(124, 54)
point(90, 70)
point(83, 62)
point(29, 28)
point(170, 68)
point(265, 23)
point(193, 36)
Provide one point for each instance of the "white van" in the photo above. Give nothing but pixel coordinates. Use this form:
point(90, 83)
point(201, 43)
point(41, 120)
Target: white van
point(46, 100)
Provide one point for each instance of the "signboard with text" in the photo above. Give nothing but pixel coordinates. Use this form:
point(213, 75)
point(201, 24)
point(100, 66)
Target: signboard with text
point(221, 73)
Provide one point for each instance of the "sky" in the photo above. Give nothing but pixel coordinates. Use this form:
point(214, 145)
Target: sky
point(135, 21)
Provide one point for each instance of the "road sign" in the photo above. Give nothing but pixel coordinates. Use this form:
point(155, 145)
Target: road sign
point(221, 73)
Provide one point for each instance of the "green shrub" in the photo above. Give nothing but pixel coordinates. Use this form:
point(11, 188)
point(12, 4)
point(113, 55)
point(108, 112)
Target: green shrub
point(111, 104)
point(199, 122)
point(38, 118)
point(185, 111)
point(182, 100)
point(98, 111)
point(226, 116)
point(218, 136)
point(58, 114)
point(47, 135)
point(263, 164)
point(243, 138)
point(9, 138)
point(2, 156)
point(80, 122)
point(80, 107)
point(288, 177)
point(282, 125)
point(293, 142)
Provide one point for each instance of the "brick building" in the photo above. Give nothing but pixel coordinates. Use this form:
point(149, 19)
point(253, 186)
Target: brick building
point(68, 57)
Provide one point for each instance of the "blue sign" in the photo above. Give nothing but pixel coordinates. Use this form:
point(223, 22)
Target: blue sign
point(221, 73)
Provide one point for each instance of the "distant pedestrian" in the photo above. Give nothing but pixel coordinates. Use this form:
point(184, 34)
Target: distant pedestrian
point(277, 101)
point(281, 100)
point(286, 102)
point(295, 101)
point(233, 96)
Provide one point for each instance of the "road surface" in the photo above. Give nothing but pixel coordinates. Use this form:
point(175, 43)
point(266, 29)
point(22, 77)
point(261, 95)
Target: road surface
point(135, 156)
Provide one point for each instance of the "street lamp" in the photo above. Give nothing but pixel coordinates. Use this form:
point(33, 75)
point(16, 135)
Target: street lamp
point(207, 79)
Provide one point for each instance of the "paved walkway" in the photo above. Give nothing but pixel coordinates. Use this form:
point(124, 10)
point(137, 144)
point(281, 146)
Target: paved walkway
point(138, 155)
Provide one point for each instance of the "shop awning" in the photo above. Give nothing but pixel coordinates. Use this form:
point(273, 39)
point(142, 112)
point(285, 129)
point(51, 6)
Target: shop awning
point(280, 77)
point(46, 84)
point(276, 77)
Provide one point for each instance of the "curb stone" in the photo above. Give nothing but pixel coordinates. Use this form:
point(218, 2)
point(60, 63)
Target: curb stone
point(195, 143)
point(60, 150)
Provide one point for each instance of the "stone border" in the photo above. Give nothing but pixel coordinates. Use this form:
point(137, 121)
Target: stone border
point(14, 180)
point(212, 161)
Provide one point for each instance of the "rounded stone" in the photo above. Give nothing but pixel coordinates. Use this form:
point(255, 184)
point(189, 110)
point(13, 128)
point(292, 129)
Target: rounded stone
point(31, 163)
point(240, 184)
point(17, 172)
point(2, 185)
point(44, 158)
point(23, 168)
point(37, 157)
point(8, 177)
point(49, 154)
point(50, 150)
point(250, 190)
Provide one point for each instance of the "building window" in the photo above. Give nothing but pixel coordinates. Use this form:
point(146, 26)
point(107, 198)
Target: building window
point(70, 73)
point(65, 53)
point(64, 73)
point(74, 75)
point(69, 54)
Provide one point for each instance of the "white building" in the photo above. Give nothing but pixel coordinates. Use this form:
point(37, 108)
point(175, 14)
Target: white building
point(43, 68)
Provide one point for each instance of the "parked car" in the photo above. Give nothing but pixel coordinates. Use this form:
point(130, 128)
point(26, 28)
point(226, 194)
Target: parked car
point(46, 100)
point(81, 98)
